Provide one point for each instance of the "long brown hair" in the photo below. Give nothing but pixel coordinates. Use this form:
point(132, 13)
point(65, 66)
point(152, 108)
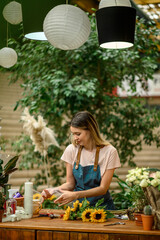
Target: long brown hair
point(85, 120)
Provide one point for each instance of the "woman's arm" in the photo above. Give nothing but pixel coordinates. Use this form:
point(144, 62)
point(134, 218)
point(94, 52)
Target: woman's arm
point(70, 180)
point(68, 186)
point(67, 196)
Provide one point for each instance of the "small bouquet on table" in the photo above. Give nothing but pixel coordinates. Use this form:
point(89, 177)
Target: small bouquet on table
point(148, 179)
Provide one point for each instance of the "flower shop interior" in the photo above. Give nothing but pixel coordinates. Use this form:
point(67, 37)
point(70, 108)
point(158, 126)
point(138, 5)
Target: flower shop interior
point(61, 57)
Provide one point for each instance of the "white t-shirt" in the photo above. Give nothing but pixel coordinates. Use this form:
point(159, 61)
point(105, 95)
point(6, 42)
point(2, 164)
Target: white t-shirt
point(108, 157)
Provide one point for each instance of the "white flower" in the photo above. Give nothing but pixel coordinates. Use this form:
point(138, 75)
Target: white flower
point(143, 183)
point(131, 179)
point(158, 174)
point(154, 183)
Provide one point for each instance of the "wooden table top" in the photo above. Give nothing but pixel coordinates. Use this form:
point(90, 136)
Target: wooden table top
point(45, 223)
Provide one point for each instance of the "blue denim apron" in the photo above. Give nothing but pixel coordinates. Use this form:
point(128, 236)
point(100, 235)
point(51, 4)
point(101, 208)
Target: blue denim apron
point(90, 177)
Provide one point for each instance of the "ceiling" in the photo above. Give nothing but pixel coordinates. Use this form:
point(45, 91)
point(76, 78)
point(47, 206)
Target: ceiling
point(149, 9)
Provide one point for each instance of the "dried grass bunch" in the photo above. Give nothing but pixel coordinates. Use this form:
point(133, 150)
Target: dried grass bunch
point(41, 136)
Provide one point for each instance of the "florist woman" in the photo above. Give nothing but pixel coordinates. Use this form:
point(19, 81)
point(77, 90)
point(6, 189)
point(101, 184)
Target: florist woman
point(90, 164)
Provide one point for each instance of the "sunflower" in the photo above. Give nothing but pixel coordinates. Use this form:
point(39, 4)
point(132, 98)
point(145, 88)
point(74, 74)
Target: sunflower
point(37, 196)
point(86, 215)
point(98, 215)
point(80, 205)
point(52, 197)
point(75, 206)
point(67, 214)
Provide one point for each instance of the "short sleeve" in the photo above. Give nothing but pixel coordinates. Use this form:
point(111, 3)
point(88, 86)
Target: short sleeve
point(113, 160)
point(69, 154)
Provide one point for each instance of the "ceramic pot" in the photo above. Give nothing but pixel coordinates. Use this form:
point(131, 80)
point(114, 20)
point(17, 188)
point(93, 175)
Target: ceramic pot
point(138, 219)
point(147, 221)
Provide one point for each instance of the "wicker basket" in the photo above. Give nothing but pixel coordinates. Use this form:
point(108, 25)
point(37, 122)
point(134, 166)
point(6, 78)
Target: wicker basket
point(20, 201)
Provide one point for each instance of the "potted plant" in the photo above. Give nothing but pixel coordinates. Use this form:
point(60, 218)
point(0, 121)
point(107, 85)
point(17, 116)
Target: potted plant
point(147, 218)
point(5, 170)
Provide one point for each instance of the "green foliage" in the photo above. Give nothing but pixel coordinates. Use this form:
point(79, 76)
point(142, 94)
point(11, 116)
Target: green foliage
point(57, 84)
point(129, 196)
point(8, 168)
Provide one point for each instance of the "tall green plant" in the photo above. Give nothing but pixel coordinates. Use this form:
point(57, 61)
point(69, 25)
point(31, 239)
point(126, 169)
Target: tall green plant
point(59, 83)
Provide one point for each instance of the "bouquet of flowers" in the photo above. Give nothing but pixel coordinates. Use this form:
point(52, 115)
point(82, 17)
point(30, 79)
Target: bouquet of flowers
point(134, 179)
point(87, 213)
point(148, 179)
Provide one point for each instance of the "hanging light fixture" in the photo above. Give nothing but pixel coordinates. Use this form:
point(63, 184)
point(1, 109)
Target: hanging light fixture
point(34, 13)
point(67, 27)
point(12, 12)
point(8, 57)
point(116, 24)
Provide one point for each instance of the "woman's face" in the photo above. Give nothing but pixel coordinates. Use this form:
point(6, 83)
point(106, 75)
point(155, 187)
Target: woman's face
point(82, 137)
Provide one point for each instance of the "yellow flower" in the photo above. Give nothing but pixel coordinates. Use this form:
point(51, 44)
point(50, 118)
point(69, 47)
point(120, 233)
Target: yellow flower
point(86, 215)
point(98, 215)
point(80, 205)
point(52, 197)
point(37, 196)
point(67, 214)
point(75, 206)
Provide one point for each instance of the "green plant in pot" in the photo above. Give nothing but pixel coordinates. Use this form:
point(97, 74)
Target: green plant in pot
point(147, 218)
point(5, 171)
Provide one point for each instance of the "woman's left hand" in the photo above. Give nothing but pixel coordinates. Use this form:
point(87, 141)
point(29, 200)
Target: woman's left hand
point(66, 197)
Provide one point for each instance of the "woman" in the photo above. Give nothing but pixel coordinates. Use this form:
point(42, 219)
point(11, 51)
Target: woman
point(90, 164)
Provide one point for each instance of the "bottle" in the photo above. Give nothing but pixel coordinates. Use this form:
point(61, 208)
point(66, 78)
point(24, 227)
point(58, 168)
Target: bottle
point(11, 203)
point(6, 194)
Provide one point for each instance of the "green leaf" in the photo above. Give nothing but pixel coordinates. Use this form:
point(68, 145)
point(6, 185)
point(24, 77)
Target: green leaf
point(11, 164)
point(100, 201)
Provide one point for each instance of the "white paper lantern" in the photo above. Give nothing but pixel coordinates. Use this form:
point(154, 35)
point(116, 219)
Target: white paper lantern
point(12, 12)
point(8, 57)
point(66, 27)
point(111, 3)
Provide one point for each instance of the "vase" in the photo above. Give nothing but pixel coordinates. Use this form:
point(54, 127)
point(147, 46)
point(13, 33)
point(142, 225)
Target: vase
point(138, 219)
point(147, 221)
point(1, 214)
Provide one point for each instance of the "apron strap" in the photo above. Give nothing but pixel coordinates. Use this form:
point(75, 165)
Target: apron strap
point(78, 157)
point(96, 157)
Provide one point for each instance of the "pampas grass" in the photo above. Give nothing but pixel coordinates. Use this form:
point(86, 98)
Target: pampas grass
point(41, 136)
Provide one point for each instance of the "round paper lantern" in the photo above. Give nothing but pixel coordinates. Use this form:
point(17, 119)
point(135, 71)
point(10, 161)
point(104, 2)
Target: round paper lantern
point(12, 12)
point(66, 27)
point(8, 57)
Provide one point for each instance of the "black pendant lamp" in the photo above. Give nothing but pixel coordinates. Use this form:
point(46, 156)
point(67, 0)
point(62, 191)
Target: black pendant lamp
point(116, 24)
point(34, 12)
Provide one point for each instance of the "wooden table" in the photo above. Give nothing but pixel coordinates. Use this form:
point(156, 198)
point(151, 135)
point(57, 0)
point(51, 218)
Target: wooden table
point(45, 228)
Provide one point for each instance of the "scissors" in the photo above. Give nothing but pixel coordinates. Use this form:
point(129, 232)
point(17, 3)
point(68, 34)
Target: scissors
point(116, 223)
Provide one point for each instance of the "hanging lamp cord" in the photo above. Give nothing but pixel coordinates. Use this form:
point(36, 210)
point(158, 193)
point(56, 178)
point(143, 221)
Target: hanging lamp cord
point(7, 35)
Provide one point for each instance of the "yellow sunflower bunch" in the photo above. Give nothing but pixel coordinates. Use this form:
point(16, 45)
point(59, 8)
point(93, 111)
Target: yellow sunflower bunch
point(87, 213)
point(94, 215)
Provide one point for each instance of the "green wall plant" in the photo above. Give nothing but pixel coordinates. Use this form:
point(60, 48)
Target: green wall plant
point(59, 83)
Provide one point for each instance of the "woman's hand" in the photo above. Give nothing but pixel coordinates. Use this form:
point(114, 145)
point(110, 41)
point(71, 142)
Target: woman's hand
point(66, 197)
